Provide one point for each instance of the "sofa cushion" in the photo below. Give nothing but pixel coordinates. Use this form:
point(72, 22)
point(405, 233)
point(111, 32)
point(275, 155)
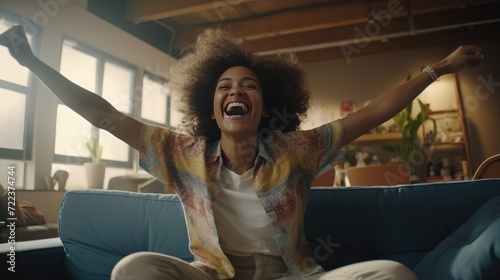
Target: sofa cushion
point(472, 252)
point(401, 223)
point(100, 227)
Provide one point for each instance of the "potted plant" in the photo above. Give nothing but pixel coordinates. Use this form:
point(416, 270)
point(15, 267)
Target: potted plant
point(409, 147)
point(94, 169)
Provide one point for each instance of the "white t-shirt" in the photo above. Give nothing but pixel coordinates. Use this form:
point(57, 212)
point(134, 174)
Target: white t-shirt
point(242, 224)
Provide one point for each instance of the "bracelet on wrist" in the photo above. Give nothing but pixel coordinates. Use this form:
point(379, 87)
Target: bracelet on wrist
point(431, 73)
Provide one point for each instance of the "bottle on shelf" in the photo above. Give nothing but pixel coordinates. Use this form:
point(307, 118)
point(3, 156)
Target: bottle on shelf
point(446, 170)
point(465, 170)
point(375, 160)
point(431, 171)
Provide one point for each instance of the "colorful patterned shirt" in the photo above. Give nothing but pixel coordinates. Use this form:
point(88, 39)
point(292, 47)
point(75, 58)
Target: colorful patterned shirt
point(284, 169)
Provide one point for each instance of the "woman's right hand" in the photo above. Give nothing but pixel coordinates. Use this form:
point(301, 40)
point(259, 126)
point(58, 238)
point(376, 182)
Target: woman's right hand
point(17, 43)
point(90, 106)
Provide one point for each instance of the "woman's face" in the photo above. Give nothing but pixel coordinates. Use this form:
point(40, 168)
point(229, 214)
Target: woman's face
point(238, 103)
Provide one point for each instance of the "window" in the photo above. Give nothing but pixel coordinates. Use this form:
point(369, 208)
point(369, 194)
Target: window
point(107, 76)
point(154, 100)
point(156, 105)
point(16, 113)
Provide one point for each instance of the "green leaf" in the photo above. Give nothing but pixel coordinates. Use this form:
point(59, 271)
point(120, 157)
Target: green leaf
point(409, 109)
point(409, 143)
point(95, 152)
point(389, 148)
point(400, 119)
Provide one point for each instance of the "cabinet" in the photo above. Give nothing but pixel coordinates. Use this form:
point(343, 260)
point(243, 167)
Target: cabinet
point(451, 145)
point(445, 106)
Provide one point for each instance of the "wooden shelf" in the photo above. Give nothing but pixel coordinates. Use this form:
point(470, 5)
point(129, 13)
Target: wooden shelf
point(451, 111)
point(378, 137)
point(449, 143)
point(452, 118)
point(446, 119)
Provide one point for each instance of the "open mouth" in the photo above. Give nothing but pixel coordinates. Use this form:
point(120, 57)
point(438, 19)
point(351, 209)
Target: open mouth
point(236, 109)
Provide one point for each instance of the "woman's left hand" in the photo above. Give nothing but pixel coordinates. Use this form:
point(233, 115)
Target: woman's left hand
point(463, 56)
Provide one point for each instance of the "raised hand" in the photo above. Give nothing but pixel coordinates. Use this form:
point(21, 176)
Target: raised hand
point(17, 43)
point(463, 56)
point(90, 106)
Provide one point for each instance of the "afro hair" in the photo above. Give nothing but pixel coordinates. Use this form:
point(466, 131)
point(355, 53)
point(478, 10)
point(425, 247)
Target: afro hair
point(193, 81)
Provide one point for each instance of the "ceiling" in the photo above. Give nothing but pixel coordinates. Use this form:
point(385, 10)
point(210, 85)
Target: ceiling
point(325, 31)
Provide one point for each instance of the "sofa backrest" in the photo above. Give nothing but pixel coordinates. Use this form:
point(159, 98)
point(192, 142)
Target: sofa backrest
point(401, 223)
point(342, 225)
point(99, 227)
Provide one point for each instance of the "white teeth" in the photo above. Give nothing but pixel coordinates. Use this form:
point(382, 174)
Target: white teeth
point(236, 104)
point(239, 104)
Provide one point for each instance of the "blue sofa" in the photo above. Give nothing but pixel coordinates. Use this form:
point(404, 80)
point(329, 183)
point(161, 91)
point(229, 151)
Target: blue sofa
point(440, 230)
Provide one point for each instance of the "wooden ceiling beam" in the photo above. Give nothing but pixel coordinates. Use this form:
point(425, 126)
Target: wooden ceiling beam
point(444, 39)
point(398, 25)
point(149, 10)
point(291, 21)
point(319, 17)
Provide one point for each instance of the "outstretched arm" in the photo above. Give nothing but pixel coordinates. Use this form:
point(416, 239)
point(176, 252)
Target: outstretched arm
point(90, 106)
point(388, 104)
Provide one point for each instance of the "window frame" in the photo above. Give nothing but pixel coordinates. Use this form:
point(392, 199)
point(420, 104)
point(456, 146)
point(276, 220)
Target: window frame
point(24, 154)
point(102, 57)
point(168, 123)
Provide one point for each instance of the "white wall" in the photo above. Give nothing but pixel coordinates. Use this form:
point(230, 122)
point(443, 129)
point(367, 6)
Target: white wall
point(58, 18)
point(359, 81)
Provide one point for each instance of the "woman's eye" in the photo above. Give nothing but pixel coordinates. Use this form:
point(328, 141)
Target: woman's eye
point(245, 86)
point(250, 86)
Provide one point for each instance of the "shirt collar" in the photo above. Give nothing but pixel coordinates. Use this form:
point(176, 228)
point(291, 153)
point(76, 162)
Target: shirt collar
point(263, 151)
point(214, 152)
point(214, 161)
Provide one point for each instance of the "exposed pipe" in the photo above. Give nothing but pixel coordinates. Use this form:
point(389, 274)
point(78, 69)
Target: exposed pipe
point(171, 43)
point(373, 38)
point(411, 22)
point(370, 16)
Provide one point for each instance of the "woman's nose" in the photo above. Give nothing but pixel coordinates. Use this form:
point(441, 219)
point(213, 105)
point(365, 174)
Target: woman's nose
point(236, 91)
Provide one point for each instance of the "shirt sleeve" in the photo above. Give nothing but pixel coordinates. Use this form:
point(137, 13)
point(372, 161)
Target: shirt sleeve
point(169, 156)
point(152, 150)
point(331, 147)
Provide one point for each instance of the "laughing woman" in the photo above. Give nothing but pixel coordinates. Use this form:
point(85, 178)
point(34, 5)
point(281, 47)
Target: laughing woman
point(240, 164)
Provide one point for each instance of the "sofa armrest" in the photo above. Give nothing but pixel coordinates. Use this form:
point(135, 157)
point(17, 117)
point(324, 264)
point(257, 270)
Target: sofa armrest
point(30, 259)
point(100, 227)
